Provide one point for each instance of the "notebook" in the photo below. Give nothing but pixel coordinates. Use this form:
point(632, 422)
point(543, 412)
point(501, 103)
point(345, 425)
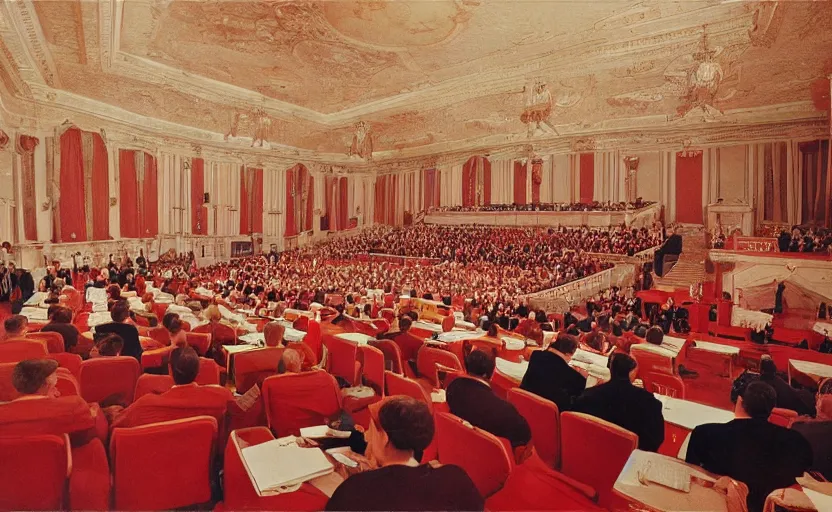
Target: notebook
point(667, 473)
point(276, 466)
point(323, 431)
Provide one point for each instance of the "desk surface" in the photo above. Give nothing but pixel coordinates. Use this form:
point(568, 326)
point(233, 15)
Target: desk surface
point(450, 337)
point(690, 415)
point(662, 498)
point(717, 348)
point(810, 368)
point(360, 338)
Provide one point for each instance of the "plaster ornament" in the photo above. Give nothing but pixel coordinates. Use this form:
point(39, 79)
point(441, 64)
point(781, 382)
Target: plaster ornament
point(538, 109)
point(362, 142)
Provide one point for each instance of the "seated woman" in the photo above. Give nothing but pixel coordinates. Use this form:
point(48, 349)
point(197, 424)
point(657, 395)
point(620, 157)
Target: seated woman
point(178, 336)
point(399, 427)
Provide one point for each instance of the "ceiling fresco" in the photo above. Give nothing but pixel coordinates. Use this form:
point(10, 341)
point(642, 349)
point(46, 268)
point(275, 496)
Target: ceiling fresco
point(420, 75)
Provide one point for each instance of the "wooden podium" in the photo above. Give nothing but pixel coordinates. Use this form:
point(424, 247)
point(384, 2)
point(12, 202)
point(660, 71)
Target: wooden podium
point(730, 217)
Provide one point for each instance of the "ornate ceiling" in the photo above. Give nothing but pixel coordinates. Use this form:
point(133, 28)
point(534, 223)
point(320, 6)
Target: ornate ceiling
point(426, 77)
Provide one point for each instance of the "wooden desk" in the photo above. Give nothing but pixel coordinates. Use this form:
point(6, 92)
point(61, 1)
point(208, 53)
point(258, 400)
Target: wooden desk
point(681, 417)
point(814, 371)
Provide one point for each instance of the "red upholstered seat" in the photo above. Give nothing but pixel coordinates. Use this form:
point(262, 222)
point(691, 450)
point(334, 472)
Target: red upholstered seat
point(223, 334)
point(67, 383)
point(649, 361)
point(543, 418)
point(71, 362)
point(250, 367)
point(210, 373)
point(372, 375)
point(200, 342)
point(342, 359)
point(20, 349)
point(175, 473)
point(159, 310)
point(400, 385)
point(54, 341)
point(34, 472)
point(109, 378)
point(313, 338)
point(482, 455)
point(239, 493)
point(159, 334)
point(149, 384)
point(428, 357)
point(156, 357)
point(297, 400)
point(599, 462)
point(392, 355)
point(782, 417)
point(535, 486)
point(663, 384)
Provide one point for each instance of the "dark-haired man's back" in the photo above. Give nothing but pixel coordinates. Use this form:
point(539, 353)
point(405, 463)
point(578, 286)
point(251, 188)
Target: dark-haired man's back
point(550, 376)
point(762, 455)
point(475, 402)
point(129, 334)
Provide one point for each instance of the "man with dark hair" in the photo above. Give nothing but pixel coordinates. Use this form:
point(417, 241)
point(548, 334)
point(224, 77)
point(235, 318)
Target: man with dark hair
point(400, 426)
point(655, 336)
point(408, 343)
point(15, 326)
point(750, 449)
point(550, 376)
point(472, 399)
point(41, 410)
point(120, 313)
point(185, 399)
point(619, 401)
point(60, 321)
point(787, 396)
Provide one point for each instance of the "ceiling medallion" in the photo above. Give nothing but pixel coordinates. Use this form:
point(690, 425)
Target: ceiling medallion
point(362, 142)
point(703, 82)
point(538, 109)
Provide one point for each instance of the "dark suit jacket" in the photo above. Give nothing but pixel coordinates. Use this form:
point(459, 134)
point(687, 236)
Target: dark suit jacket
point(128, 333)
point(790, 398)
point(629, 407)
point(762, 455)
point(550, 377)
point(67, 331)
point(819, 435)
point(475, 402)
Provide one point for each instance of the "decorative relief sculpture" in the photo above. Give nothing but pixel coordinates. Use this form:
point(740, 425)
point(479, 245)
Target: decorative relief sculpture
point(538, 109)
point(630, 183)
point(362, 142)
point(256, 121)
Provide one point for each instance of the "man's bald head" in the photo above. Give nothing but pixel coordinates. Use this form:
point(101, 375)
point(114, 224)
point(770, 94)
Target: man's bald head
point(292, 361)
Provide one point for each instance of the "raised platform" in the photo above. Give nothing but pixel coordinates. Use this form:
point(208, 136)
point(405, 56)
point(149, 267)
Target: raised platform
point(643, 217)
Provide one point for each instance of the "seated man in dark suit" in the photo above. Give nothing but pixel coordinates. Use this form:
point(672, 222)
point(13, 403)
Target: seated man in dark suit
point(550, 376)
point(619, 401)
point(671, 247)
point(787, 396)
point(472, 399)
point(750, 449)
point(120, 313)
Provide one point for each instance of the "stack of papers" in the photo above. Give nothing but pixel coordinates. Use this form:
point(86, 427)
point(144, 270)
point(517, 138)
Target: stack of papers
point(323, 432)
point(35, 315)
point(276, 466)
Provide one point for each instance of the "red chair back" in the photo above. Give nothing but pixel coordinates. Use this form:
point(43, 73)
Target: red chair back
point(71, 362)
point(650, 361)
point(428, 357)
point(782, 417)
point(392, 354)
point(313, 338)
point(175, 473)
point(109, 378)
point(663, 384)
point(297, 400)
point(34, 472)
point(543, 418)
point(400, 385)
point(341, 358)
point(209, 372)
point(67, 383)
point(249, 367)
point(142, 321)
point(482, 455)
point(372, 368)
point(54, 341)
point(160, 334)
point(594, 451)
point(224, 334)
point(149, 384)
point(200, 342)
point(21, 349)
point(7, 390)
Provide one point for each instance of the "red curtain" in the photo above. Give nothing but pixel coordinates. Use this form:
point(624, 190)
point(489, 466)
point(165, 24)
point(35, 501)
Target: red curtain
point(245, 214)
point(689, 187)
point(128, 199)
point(310, 200)
point(73, 227)
point(587, 171)
point(537, 179)
point(199, 215)
point(519, 183)
point(257, 205)
point(344, 204)
point(290, 230)
point(26, 148)
point(100, 190)
point(390, 202)
point(379, 216)
point(150, 203)
point(470, 182)
point(329, 204)
point(430, 197)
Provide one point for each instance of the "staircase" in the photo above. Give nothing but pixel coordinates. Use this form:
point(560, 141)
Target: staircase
point(690, 268)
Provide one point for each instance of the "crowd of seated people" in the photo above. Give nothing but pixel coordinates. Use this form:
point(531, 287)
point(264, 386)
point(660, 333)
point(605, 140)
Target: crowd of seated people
point(818, 240)
point(594, 206)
